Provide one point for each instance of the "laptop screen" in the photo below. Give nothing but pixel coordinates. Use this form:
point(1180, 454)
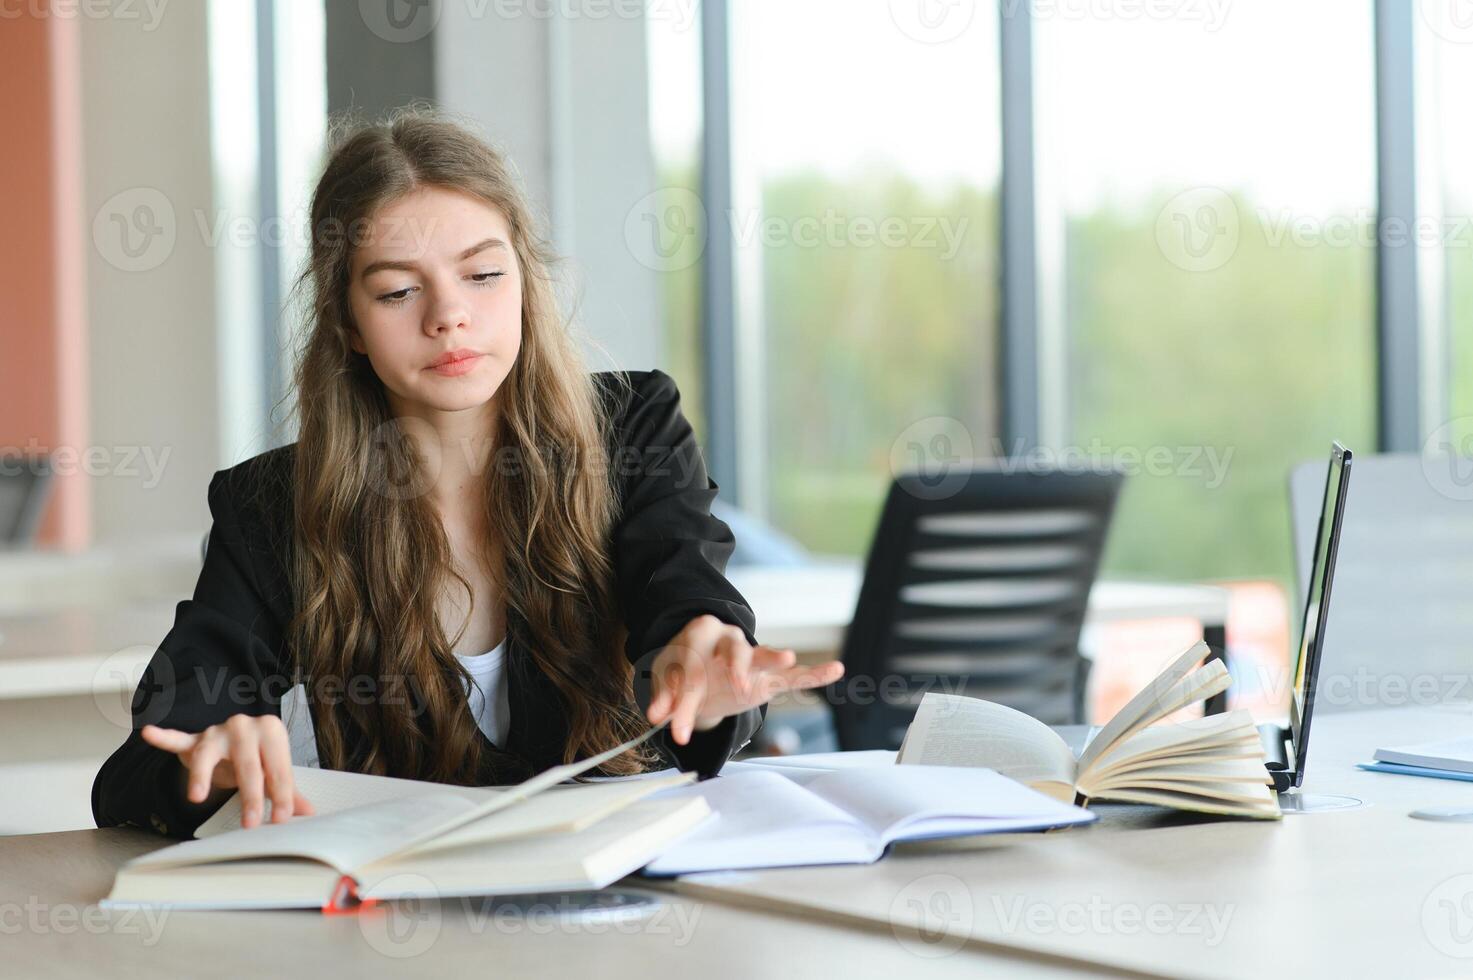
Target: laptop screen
point(1317, 604)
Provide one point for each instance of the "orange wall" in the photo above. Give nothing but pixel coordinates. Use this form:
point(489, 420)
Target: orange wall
point(43, 354)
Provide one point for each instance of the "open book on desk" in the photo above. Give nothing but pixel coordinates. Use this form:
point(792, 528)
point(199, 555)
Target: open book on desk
point(1213, 764)
point(767, 819)
point(424, 841)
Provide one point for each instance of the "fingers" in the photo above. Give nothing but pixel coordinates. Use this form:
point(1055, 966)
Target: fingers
point(769, 683)
point(770, 658)
point(211, 748)
point(690, 695)
point(257, 753)
point(738, 656)
point(276, 760)
point(169, 739)
point(803, 678)
point(661, 701)
point(245, 756)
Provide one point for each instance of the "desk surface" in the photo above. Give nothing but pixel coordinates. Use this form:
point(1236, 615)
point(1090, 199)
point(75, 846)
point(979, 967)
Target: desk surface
point(53, 927)
point(1359, 892)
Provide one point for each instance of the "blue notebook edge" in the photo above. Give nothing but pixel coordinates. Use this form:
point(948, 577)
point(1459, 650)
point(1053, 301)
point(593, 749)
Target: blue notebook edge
point(1396, 768)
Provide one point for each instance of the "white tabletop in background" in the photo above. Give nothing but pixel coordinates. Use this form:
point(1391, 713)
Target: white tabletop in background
point(80, 650)
point(87, 649)
point(807, 608)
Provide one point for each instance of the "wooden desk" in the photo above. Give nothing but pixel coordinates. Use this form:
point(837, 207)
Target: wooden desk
point(52, 926)
point(1360, 892)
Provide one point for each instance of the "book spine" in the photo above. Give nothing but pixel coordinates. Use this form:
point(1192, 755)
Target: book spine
point(345, 899)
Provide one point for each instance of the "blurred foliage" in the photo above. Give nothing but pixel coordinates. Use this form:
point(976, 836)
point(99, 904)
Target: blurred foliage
point(1260, 362)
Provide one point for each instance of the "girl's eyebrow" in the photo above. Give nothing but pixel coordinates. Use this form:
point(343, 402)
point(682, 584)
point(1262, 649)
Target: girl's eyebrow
point(480, 246)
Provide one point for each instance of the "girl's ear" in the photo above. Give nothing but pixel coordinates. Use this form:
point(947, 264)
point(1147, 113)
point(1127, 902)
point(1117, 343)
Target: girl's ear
point(355, 340)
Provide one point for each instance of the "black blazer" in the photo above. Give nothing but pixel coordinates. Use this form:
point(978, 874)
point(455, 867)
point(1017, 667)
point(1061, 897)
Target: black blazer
point(223, 654)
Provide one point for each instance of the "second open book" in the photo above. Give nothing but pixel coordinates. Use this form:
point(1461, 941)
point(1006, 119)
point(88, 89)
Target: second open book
point(1213, 764)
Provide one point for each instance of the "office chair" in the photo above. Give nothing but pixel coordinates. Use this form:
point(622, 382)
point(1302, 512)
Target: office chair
point(981, 592)
point(25, 487)
point(1400, 612)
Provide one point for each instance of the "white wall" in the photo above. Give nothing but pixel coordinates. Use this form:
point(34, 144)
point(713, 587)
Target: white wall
point(146, 136)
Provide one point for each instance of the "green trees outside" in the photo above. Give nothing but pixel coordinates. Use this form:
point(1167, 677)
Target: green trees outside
point(1256, 364)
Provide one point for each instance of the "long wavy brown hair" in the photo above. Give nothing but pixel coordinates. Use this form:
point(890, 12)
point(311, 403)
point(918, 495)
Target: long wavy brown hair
point(371, 556)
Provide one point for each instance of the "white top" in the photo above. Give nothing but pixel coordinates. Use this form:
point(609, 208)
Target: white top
point(493, 715)
point(490, 697)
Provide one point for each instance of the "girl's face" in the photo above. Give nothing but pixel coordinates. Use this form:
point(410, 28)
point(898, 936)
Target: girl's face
point(436, 297)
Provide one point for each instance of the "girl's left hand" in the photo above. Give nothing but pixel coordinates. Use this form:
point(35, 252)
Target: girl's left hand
point(709, 671)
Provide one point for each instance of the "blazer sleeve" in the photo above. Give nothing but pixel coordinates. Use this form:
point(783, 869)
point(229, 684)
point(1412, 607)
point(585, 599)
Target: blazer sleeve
point(670, 558)
point(220, 658)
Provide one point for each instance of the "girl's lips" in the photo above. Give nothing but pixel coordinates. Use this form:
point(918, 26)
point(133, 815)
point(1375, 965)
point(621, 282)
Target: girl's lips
point(453, 369)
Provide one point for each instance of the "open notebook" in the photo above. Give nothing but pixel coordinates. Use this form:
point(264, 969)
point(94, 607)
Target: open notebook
point(375, 838)
point(768, 817)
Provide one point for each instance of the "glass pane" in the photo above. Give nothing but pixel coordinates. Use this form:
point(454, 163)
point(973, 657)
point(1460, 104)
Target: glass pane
point(865, 151)
point(673, 36)
point(1444, 46)
point(1207, 209)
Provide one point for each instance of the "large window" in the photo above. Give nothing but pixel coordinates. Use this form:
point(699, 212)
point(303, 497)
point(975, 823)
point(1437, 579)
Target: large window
point(1207, 241)
point(1206, 212)
point(1444, 51)
point(671, 221)
point(865, 164)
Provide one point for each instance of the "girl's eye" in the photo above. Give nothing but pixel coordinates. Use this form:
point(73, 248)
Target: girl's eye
point(399, 296)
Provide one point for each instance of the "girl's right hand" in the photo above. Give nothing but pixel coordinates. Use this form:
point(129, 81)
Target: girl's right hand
point(245, 752)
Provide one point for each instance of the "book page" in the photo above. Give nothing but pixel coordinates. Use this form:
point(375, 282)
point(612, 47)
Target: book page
point(590, 858)
point(1237, 799)
point(951, 730)
point(373, 831)
point(512, 795)
point(560, 810)
point(764, 820)
point(343, 840)
point(1177, 686)
point(332, 790)
point(917, 801)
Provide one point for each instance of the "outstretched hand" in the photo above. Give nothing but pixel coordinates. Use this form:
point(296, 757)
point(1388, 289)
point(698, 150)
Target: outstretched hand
point(709, 671)
point(244, 752)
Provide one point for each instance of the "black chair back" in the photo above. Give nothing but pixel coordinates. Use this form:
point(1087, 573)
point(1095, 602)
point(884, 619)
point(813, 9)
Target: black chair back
point(978, 590)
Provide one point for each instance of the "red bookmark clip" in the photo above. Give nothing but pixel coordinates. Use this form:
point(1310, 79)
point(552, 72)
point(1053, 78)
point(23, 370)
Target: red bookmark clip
point(345, 900)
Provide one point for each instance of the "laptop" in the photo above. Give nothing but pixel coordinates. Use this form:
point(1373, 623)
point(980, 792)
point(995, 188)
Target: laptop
point(1286, 748)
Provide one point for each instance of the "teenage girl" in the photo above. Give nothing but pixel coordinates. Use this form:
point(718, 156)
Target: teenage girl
point(477, 561)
